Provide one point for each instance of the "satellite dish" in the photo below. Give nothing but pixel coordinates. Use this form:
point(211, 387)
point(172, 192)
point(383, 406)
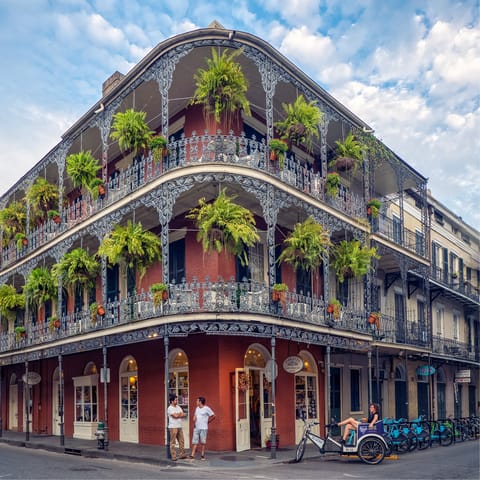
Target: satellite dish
point(31, 378)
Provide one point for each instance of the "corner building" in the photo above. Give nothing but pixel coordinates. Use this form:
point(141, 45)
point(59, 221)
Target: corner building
point(219, 334)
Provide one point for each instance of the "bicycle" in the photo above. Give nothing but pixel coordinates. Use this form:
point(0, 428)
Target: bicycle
point(369, 445)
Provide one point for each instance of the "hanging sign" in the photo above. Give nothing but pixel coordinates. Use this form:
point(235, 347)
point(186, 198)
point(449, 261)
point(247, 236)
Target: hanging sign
point(269, 366)
point(425, 370)
point(462, 376)
point(31, 378)
point(293, 364)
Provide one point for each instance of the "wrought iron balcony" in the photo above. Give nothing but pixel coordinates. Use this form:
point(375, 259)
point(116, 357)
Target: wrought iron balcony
point(397, 233)
point(454, 348)
point(455, 282)
point(183, 153)
point(194, 298)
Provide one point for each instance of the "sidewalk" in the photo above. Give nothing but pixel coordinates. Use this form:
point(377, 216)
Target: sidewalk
point(151, 454)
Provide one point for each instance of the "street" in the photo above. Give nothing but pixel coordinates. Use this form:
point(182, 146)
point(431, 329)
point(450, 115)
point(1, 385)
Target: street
point(460, 461)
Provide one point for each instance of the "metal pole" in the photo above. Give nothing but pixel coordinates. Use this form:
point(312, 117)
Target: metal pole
point(167, 374)
point(369, 355)
point(26, 401)
point(60, 399)
point(329, 413)
point(377, 361)
point(105, 393)
point(1, 404)
point(273, 450)
point(406, 385)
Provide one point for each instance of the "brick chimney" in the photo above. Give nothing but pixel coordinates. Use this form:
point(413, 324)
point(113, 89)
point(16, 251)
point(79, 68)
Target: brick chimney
point(111, 82)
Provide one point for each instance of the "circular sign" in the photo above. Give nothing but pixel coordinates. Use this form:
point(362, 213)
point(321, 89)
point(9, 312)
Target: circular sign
point(31, 378)
point(269, 366)
point(425, 370)
point(293, 364)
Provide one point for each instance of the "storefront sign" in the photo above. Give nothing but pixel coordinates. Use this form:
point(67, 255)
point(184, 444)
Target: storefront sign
point(425, 370)
point(269, 366)
point(31, 378)
point(462, 376)
point(293, 364)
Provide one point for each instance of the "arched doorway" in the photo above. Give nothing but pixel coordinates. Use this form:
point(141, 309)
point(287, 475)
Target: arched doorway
point(178, 384)
point(56, 419)
point(253, 399)
point(128, 374)
point(400, 393)
point(306, 394)
point(13, 403)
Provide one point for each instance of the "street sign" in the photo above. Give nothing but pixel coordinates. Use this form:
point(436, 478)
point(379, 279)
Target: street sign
point(31, 378)
point(425, 370)
point(104, 378)
point(268, 370)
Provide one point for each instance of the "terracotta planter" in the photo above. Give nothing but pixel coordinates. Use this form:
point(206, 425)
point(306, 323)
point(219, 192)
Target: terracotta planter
point(101, 311)
point(24, 242)
point(56, 219)
point(279, 296)
point(273, 156)
point(57, 324)
point(165, 295)
point(101, 191)
point(330, 309)
point(372, 319)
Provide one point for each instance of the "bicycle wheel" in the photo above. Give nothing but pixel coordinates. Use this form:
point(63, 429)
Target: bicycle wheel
point(423, 440)
point(299, 452)
point(402, 444)
point(389, 448)
point(371, 451)
point(446, 437)
point(413, 439)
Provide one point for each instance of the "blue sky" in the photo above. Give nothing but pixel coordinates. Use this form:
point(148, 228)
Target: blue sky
point(411, 69)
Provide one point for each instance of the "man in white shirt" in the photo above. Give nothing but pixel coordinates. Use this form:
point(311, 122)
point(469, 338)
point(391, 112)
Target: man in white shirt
point(203, 416)
point(175, 415)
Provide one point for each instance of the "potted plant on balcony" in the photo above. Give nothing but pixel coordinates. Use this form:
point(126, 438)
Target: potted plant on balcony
point(349, 154)
point(42, 196)
point(22, 240)
point(300, 126)
point(223, 225)
point(20, 332)
point(373, 207)
point(54, 216)
point(53, 324)
point(221, 88)
point(158, 146)
point(131, 246)
point(278, 148)
point(352, 259)
point(279, 292)
point(374, 320)
point(131, 130)
point(332, 183)
point(159, 293)
point(334, 308)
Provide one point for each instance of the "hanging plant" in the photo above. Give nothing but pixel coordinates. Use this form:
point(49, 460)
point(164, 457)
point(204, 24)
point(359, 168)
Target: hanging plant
point(10, 301)
point(352, 259)
point(300, 126)
point(334, 308)
point(77, 269)
point(22, 240)
point(131, 130)
point(305, 245)
point(53, 324)
point(221, 88)
point(40, 286)
point(332, 182)
point(13, 219)
point(225, 225)
point(132, 245)
point(349, 154)
point(20, 332)
point(42, 196)
point(82, 168)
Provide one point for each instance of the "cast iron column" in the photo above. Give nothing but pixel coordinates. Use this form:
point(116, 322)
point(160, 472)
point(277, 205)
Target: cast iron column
point(273, 450)
point(26, 401)
point(105, 393)
point(166, 368)
point(60, 399)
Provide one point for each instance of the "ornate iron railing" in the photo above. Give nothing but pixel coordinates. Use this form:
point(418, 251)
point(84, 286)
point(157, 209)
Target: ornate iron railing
point(194, 150)
point(454, 348)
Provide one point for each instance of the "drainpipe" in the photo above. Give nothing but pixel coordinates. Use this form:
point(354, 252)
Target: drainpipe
point(105, 394)
point(60, 399)
point(166, 368)
point(273, 450)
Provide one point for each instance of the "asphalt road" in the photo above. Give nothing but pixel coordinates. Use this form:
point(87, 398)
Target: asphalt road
point(460, 461)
